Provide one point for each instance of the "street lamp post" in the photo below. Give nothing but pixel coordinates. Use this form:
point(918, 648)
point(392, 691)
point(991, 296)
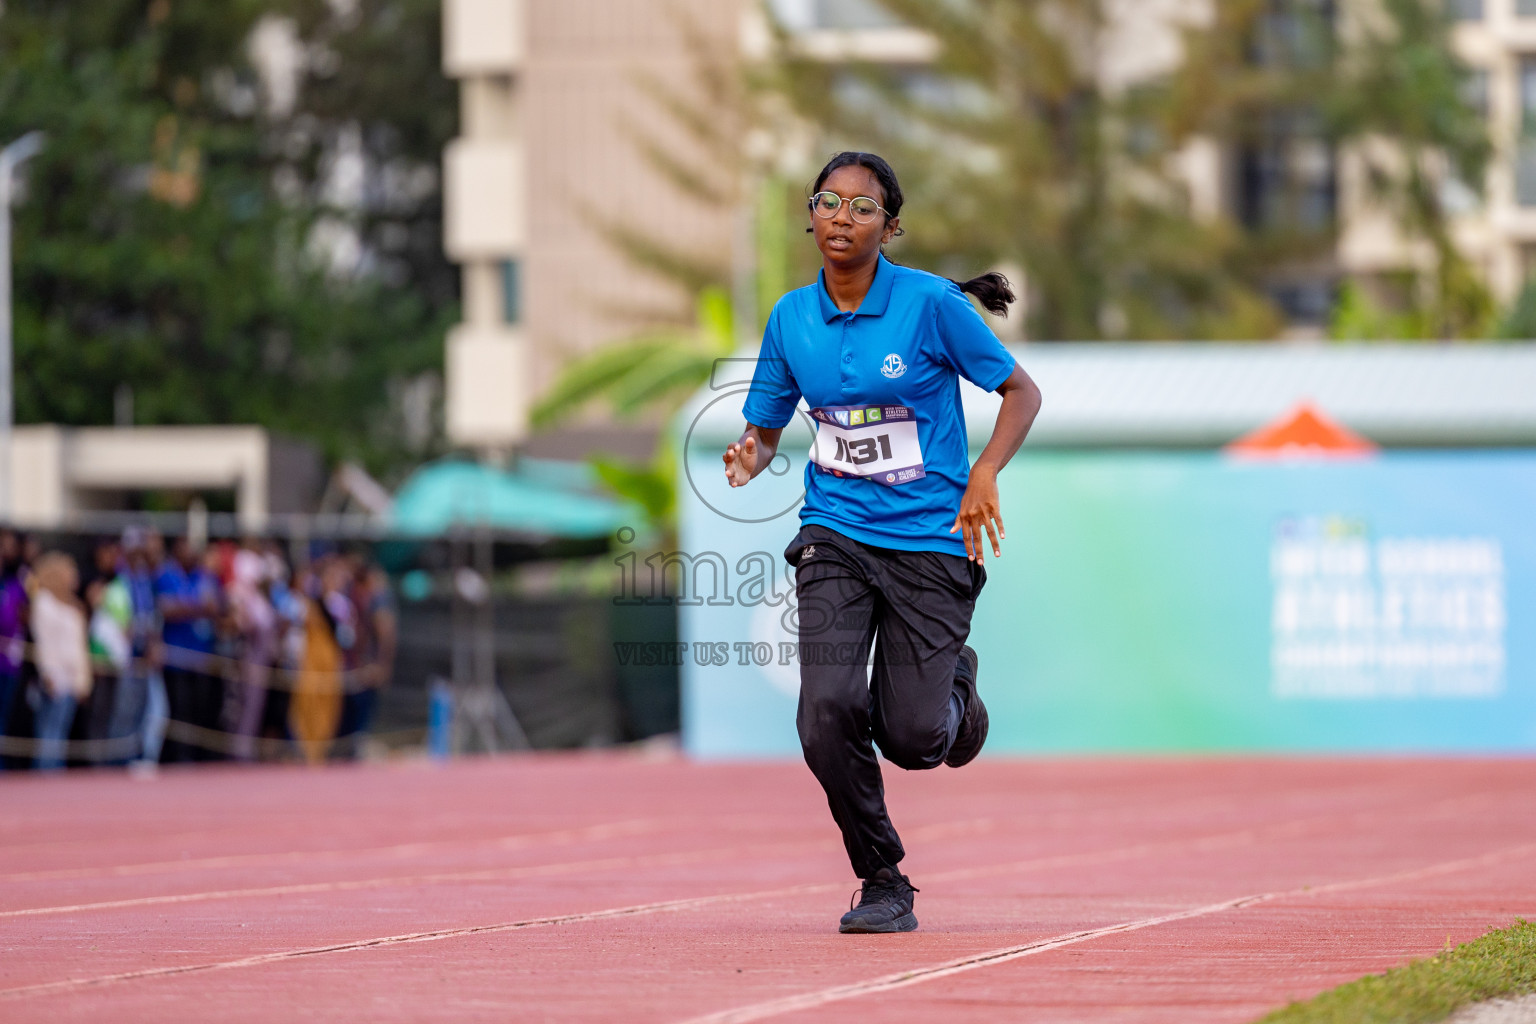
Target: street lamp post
point(11, 156)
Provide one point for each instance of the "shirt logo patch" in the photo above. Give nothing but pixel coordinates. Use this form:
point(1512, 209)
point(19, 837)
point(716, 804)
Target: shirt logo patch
point(841, 415)
point(893, 366)
point(856, 417)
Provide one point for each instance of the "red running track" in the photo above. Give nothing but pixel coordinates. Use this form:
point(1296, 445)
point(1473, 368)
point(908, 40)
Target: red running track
point(618, 888)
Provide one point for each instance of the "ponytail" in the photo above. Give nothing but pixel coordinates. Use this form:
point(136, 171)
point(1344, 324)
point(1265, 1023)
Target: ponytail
point(992, 289)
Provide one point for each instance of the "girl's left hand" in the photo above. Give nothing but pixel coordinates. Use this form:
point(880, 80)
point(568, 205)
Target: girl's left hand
point(979, 509)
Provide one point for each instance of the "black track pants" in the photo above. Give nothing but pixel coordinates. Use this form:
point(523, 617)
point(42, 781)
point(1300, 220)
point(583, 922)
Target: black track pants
point(915, 606)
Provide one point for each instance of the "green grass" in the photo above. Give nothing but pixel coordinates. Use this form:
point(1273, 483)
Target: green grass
point(1500, 964)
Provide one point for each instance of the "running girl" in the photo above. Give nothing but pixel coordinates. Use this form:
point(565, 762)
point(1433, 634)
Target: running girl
point(895, 519)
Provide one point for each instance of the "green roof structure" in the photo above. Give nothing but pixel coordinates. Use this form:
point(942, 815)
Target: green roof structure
point(539, 498)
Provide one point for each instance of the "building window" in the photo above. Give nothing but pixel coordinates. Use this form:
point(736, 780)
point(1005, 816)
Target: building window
point(1287, 176)
point(1525, 151)
point(808, 15)
point(1305, 302)
point(511, 292)
point(1458, 196)
point(1474, 90)
point(1285, 167)
point(1293, 33)
point(1470, 10)
point(852, 14)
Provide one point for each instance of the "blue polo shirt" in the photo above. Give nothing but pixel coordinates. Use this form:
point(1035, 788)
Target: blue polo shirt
point(177, 584)
point(911, 339)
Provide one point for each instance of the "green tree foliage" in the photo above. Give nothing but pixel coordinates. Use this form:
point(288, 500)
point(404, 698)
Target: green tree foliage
point(375, 87)
point(1381, 85)
point(1519, 321)
point(1019, 145)
point(179, 232)
point(1359, 317)
point(1398, 80)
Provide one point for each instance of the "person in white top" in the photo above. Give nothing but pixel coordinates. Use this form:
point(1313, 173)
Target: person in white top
point(62, 654)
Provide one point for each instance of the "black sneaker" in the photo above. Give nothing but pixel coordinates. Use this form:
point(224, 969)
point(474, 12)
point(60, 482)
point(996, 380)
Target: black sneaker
point(885, 905)
point(973, 726)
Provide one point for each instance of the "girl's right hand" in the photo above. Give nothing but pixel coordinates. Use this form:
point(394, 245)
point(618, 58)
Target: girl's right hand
point(741, 461)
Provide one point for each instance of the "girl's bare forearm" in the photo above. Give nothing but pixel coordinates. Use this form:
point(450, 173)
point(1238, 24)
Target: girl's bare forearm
point(767, 439)
point(1021, 404)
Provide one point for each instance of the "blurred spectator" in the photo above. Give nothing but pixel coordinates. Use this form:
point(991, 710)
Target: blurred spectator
point(106, 602)
point(257, 628)
point(231, 645)
point(377, 633)
point(189, 600)
point(141, 708)
point(13, 624)
point(329, 634)
point(63, 661)
point(292, 611)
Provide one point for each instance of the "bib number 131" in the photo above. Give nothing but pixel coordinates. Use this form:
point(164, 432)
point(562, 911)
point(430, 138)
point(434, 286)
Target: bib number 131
point(878, 443)
point(864, 450)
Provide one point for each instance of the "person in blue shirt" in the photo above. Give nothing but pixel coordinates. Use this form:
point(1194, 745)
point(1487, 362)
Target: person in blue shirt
point(895, 519)
point(189, 600)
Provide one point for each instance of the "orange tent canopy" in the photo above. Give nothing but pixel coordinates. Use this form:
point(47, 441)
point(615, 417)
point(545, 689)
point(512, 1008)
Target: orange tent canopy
point(1303, 431)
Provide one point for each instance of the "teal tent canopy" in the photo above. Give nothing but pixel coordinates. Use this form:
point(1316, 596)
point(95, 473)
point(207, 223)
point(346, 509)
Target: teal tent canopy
point(541, 497)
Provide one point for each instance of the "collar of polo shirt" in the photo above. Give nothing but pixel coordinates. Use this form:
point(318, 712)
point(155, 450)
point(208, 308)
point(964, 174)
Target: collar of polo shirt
point(875, 300)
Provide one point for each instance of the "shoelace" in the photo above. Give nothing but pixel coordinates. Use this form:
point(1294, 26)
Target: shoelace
point(873, 888)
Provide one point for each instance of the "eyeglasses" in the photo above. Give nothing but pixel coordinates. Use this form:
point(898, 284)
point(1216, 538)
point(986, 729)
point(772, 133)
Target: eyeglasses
point(862, 208)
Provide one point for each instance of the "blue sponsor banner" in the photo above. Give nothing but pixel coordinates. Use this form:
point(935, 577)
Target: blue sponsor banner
point(1180, 602)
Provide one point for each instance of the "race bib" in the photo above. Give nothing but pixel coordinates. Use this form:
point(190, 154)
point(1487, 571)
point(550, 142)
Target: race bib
point(877, 442)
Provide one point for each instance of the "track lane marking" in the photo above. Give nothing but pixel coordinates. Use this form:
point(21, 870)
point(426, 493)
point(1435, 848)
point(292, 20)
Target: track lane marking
point(1249, 834)
point(74, 984)
point(1239, 836)
point(661, 859)
point(916, 976)
point(605, 830)
point(940, 829)
point(437, 878)
point(233, 832)
point(515, 841)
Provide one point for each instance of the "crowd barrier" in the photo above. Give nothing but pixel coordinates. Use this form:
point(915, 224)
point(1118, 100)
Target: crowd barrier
point(212, 670)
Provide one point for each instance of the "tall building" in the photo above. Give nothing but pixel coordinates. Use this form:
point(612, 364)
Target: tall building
point(558, 103)
point(1497, 38)
point(558, 100)
point(485, 223)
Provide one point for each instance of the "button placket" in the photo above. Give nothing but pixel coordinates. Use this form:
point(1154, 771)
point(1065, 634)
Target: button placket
point(847, 368)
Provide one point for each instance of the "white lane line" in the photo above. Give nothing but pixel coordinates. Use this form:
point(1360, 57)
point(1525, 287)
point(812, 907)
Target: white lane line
point(619, 829)
point(484, 874)
point(1241, 836)
point(512, 842)
point(612, 830)
point(916, 976)
point(1249, 834)
point(75, 984)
